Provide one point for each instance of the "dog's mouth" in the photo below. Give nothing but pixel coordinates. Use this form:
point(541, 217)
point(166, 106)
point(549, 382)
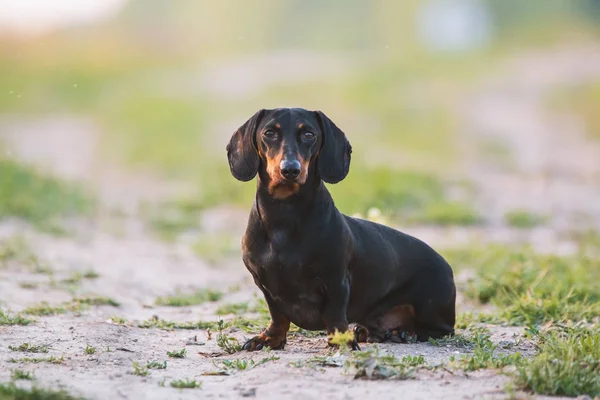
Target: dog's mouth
point(283, 189)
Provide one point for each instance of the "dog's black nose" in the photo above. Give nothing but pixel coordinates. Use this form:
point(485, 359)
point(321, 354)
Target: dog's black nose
point(290, 169)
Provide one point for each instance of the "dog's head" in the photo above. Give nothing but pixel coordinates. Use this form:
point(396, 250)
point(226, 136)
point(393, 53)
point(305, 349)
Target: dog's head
point(289, 144)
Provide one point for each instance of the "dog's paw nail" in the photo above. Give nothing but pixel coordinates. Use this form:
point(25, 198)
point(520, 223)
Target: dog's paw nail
point(259, 346)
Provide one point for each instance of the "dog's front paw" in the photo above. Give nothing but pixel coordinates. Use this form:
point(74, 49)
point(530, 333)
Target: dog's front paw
point(264, 340)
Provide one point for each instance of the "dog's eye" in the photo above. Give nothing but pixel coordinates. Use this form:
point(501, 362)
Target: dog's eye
point(269, 134)
point(308, 136)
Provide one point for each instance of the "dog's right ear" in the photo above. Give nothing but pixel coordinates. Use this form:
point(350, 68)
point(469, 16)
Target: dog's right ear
point(241, 150)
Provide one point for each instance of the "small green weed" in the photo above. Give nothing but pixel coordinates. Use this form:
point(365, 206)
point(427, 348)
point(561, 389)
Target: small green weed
point(115, 319)
point(156, 365)
point(177, 354)
point(186, 384)
point(226, 343)
point(139, 370)
point(89, 350)
point(242, 365)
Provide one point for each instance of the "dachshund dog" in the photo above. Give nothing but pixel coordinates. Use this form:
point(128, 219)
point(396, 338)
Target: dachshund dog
point(317, 267)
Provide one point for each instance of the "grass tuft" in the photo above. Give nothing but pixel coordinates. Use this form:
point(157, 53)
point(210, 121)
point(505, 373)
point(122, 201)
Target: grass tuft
point(139, 370)
point(29, 348)
point(158, 323)
point(177, 354)
point(530, 288)
point(227, 343)
point(524, 219)
point(37, 360)
point(186, 384)
point(19, 374)
point(7, 319)
point(89, 350)
point(193, 299)
point(567, 364)
point(156, 365)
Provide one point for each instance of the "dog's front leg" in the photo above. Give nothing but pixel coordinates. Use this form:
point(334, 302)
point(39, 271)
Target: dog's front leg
point(275, 334)
point(334, 313)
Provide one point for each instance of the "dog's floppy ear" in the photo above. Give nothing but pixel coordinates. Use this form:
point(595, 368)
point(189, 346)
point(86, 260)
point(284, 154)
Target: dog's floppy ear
point(241, 150)
point(334, 158)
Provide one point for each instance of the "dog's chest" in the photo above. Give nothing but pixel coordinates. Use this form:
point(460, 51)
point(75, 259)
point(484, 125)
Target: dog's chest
point(288, 274)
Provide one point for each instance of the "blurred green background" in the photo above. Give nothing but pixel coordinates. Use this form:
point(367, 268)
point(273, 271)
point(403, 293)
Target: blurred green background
point(168, 82)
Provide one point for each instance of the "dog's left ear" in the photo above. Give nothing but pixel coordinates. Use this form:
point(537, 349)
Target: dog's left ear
point(334, 158)
point(241, 150)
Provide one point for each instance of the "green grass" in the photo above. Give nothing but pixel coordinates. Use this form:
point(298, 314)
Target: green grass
point(29, 348)
point(139, 370)
point(524, 219)
point(186, 384)
point(115, 319)
point(38, 198)
point(15, 250)
point(44, 309)
point(75, 305)
point(447, 213)
point(89, 350)
point(567, 364)
point(96, 301)
point(242, 365)
point(170, 325)
point(386, 189)
point(191, 299)
point(8, 319)
point(213, 248)
point(37, 360)
point(485, 355)
point(10, 391)
point(233, 308)
point(176, 353)
point(228, 344)
point(19, 374)
point(530, 288)
point(156, 365)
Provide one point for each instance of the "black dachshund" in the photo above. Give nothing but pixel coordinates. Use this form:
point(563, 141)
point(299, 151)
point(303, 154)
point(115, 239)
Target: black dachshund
point(317, 267)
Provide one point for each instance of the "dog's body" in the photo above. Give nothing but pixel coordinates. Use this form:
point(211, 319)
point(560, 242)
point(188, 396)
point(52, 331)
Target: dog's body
point(317, 267)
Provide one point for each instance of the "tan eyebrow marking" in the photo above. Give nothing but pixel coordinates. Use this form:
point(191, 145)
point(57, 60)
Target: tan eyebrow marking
point(300, 125)
point(278, 126)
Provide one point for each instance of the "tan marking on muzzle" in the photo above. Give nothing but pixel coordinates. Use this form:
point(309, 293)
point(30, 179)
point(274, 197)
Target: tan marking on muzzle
point(278, 188)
